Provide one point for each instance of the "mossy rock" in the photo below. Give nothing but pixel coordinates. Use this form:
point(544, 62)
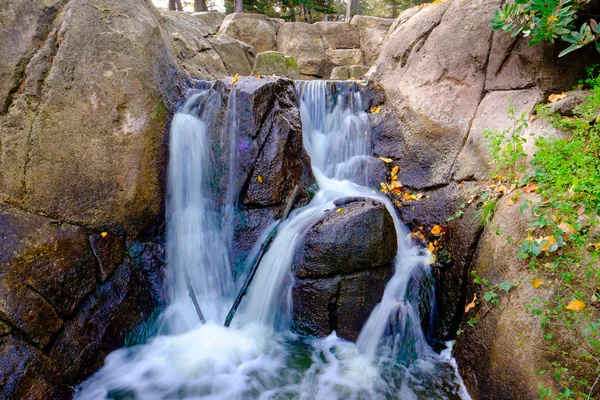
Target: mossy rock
point(275, 63)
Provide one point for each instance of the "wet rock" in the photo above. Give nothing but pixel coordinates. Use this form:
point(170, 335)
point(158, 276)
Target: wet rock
point(340, 303)
point(303, 42)
point(258, 30)
point(28, 374)
point(45, 267)
point(275, 63)
point(342, 268)
point(372, 31)
point(270, 157)
point(109, 251)
point(361, 236)
point(118, 306)
point(214, 19)
point(339, 35)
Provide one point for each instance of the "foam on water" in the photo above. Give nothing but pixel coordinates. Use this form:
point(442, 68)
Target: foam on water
point(259, 357)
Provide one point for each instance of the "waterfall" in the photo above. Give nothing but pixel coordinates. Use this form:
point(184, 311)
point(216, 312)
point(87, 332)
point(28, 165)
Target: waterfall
point(259, 357)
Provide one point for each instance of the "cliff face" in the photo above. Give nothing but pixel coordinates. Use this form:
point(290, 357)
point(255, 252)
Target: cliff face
point(447, 77)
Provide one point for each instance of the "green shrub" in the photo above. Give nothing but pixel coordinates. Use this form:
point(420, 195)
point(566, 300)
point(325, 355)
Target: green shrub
point(548, 20)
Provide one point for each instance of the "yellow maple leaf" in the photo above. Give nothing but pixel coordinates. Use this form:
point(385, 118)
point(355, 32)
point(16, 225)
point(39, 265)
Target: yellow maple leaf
point(536, 283)
point(431, 248)
point(259, 179)
point(375, 109)
point(471, 304)
point(104, 234)
point(436, 230)
point(235, 79)
point(553, 98)
point(576, 305)
point(395, 170)
point(386, 160)
point(339, 210)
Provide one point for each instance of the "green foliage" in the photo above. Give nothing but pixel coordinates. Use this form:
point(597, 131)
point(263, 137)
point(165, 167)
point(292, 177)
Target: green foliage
point(562, 245)
point(548, 20)
point(506, 147)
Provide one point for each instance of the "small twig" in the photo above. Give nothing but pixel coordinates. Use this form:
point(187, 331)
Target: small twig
point(193, 296)
point(261, 253)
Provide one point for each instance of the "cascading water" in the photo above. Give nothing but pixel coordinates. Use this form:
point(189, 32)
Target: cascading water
point(259, 357)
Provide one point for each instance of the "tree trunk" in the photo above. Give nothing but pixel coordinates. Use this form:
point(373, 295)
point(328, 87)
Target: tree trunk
point(172, 5)
point(200, 5)
point(239, 6)
point(349, 11)
point(179, 5)
point(394, 9)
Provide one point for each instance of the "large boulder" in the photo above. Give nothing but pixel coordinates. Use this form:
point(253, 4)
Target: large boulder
point(345, 57)
point(203, 53)
point(339, 35)
point(270, 159)
point(303, 42)
point(83, 137)
point(342, 268)
point(275, 63)
point(418, 63)
point(372, 31)
point(214, 19)
point(258, 30)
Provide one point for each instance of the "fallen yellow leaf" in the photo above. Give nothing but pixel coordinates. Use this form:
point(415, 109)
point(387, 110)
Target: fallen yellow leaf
point(259, 179)
point(576, 305)
point(395, 184)
point(549, 242)
point(339, 210)
point(375, 109)
point(436, 230)
point(431, 248)
point(235, 79)
point(386, 160)
point(532, 187)
point(536, 283)
point(553, 98)
point(395, 170)
point(104, 234)
point(513, 199)
point(471, 304)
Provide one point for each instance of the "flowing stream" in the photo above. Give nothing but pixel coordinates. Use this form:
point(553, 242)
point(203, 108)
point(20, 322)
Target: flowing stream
point(259, 357)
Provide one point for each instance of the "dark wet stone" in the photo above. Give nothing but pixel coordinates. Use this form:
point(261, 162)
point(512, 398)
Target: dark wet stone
point(109, 251)
point(115, 308)
point(26, 373)
point(361, 236)
point(340, 303)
